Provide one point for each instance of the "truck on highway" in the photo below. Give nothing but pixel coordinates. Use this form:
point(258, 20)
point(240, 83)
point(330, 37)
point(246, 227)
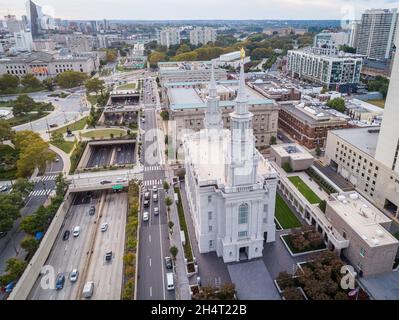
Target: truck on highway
point(88, 289)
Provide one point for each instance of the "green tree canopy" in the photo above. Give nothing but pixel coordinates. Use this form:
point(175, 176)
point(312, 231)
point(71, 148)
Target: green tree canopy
point(337, 104)
point(156, 57)
point(71, 79)
point(23, 105)
point(6, 131)
point(30, 81)
point(94, 85)
point(8, 81)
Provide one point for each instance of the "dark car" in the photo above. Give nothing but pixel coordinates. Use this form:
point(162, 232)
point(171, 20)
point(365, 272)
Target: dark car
point(53, 125)
point(66, 235)
point(108, 256)
point(92, 210)
point(105, 182)
point(146, 203)
point(168, 263)
point(59, 283)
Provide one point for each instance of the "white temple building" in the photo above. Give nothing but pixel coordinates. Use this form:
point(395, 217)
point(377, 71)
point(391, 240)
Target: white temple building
point(231, 188)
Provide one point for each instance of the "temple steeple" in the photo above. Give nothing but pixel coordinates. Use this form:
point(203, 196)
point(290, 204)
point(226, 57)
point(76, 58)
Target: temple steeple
point(213, 116)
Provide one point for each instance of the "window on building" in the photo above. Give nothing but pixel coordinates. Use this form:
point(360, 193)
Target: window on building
point(210, 243)
point(209, 199)
point(362, 252)
point(242, 234)
point(210, 228)
point(243, 214)
point(210, 215)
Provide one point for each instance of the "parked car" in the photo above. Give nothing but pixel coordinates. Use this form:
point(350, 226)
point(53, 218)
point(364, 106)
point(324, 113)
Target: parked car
point(59, 282)
point(66, 235)
point(73, 276)
point(76, 231)
point(168, 263)
point(104, 227)
point(92, 210)
point(156, 211)
point(145, 216)
point(108, 256)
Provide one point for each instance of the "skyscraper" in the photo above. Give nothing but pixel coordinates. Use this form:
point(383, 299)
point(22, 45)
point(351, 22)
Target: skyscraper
point(376, 33)
point(387, 150)
point(34, 14)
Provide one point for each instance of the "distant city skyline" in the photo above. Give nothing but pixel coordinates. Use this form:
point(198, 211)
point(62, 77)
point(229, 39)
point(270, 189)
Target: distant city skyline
point(205, 9)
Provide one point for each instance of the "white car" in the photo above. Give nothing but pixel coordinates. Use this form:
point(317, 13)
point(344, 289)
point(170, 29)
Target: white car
point(156, 211)
point(76, 231)
point(155, 189)
point(120, 180)
point(74, 275)
point(145, 216)
point(104, 227)
point(155, 198)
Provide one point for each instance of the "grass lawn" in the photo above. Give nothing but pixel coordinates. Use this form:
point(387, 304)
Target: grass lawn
point(105, 133)
point(304, 189)
point(284, 214)
point(16, 121)
point(65, 146)
point(379, 102)
point(75, 126)
point(128, 86)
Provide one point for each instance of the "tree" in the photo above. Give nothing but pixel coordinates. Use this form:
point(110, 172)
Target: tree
point(187, 56)
point(379, 84)
point(48, 83)
point(261, 53)
point(71, 79)
point(166, 186)
point(15, 267)
point(226, 292)
point(273, 140)
point(293, 293)
point(168, 202)
point(174, 251)
point(111, 55)
point(23, 105)
point(33, 152)
point(156, 57)
point(164, 115)
point(8, 82)
point(23, 186)
point(95, 85)
point(29, 244)
point(60, 185)
point(170, 225)
point(337, 104)
point(6, 132)
point(348, 49)
point(9, 210)
point(30, 81)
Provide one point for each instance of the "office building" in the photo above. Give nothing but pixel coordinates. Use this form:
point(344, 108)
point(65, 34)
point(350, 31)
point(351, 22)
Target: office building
point(372, 249)
point(231, 192)
point(376, 33)
point(336, 38)
point(79, 43)
point(354, 32)
point(23, 41)
point(34, 16)
point(326, 66)
point(202, 35)
point(169, 37)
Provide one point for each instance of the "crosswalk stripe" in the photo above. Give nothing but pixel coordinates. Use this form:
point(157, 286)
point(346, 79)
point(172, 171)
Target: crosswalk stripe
point(38, 193)
point(153, 168)
point(152, 182)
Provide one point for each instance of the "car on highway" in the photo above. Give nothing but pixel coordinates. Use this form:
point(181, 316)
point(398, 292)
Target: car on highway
point(108, 256)
point(104, 227)
point(168, 263)
point(156, 211)
point(73, 276)
point(92, 210)
point(105, 182)
point(65, 237)
point(146, 203)
point(146, 195)
point(120, 180)
point(76, 231)
point(145, 216)
point(59, 282)
point(155, 198)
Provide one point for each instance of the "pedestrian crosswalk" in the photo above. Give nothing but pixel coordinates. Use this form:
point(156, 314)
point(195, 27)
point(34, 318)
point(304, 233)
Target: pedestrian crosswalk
point(39, 193)
point(48, 178)
point(155, 182)
point(153, 168)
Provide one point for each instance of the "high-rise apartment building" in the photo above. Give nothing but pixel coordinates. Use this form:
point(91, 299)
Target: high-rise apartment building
point(169, 37)
point(376, 33)
point(202, 35)
point(23, 41)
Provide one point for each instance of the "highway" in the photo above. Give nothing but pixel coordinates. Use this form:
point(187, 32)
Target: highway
point(67, 255)
point(154, 242)
point(100, 156)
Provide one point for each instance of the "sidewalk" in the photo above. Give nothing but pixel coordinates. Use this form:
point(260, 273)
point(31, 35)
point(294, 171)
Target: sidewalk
point(65, 158)
point(182, 283)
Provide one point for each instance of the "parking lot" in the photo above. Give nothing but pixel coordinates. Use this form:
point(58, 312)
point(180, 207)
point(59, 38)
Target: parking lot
point(74, 252)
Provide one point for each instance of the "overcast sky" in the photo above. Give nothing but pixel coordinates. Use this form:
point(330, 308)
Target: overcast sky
point(200, 9)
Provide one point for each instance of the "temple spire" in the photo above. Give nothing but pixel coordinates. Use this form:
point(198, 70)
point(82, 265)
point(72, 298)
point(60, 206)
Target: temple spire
point(213, 115)
point(212, 85)
point(242, 93)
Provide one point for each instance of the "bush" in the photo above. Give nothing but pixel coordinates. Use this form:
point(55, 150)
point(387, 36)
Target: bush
point(128, 290)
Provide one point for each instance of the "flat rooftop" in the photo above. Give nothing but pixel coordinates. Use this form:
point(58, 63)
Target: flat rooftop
point(362, 217)
point(292, 150)
point(364, 139)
